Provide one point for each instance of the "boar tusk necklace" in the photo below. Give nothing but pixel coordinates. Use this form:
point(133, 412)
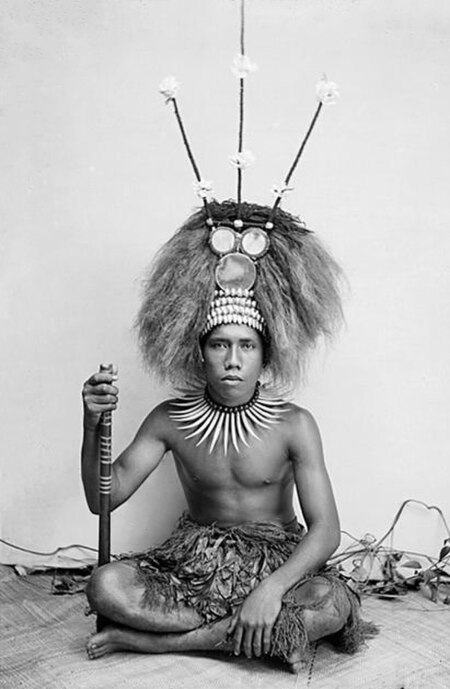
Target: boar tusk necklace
point(205, 419)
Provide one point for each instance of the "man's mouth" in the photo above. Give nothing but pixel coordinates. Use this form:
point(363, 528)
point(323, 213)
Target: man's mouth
point(231, 377)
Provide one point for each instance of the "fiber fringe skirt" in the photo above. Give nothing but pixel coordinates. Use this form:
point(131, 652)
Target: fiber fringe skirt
point(213, 569)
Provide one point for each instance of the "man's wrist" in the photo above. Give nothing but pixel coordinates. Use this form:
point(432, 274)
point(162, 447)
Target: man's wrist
point(275, 585)
point(90, 427)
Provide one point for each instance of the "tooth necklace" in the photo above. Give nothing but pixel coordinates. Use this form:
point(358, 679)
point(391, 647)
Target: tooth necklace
point(204, 418)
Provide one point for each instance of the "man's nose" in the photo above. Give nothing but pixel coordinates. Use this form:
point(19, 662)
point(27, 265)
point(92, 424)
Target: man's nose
point(233, 359)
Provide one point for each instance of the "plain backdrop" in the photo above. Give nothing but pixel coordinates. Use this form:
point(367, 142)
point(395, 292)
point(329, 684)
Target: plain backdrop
point(95, 179)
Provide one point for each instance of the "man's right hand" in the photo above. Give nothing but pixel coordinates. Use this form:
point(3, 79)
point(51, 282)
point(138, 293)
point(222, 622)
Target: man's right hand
point(99, 394)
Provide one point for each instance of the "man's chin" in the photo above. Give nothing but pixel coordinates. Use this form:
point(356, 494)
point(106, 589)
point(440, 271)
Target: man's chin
point(232, 391)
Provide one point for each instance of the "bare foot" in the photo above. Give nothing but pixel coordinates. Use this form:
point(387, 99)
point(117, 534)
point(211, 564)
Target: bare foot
point(218, 636)
point(296, 662)
point(111, 639)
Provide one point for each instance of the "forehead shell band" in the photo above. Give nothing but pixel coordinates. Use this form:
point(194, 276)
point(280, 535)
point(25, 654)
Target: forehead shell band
point(234, 306)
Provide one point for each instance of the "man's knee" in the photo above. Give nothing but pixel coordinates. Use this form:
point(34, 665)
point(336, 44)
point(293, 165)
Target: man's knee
point(105, 585)
point(314, 592)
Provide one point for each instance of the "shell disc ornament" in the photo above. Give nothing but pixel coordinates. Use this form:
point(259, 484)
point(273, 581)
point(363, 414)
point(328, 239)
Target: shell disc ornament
point(254, 242)
point(222, 240)
point(235, 271)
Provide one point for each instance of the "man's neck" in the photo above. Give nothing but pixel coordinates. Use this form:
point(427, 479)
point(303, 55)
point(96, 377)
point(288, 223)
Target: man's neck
point(231, 399)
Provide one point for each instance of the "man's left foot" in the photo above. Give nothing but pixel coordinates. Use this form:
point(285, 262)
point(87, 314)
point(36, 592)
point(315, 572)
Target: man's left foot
point(296, 662)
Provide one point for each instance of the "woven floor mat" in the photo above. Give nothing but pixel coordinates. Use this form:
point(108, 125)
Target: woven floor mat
point(43, 638)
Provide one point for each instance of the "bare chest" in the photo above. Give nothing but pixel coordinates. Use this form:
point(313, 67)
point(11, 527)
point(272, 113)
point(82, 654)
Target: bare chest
point(264, 461)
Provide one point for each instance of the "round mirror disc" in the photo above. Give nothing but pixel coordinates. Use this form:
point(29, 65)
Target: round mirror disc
point(254, 242)
point(235, 271)
point(222, 240)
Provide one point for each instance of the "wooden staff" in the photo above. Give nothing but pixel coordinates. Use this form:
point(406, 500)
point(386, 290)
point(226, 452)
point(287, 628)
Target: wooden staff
point(104, 524)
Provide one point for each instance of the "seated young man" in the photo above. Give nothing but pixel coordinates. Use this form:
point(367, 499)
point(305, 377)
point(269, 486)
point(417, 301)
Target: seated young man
point(240, 293)
point(239, 574)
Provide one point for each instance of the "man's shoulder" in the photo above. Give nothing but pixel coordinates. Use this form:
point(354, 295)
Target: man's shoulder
point(158, 419)
point(162, 416)
point(158, 425)
point(296, 415)
point(300, 427)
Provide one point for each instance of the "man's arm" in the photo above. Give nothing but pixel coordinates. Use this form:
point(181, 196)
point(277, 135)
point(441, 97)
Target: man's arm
point(316, 501)
point(136, 463)
point(253, 625)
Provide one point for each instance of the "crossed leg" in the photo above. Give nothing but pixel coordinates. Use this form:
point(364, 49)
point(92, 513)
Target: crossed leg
point(114, 593)
point(321, 616)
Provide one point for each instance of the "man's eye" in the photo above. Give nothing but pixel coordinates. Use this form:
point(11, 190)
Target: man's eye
point(248, 345)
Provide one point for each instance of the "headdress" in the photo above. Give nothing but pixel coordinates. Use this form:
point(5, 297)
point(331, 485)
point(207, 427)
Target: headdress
point(239, 262)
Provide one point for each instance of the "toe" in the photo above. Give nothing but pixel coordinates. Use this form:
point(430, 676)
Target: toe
point(93, 649)
point(295, 668)
point(95, 653)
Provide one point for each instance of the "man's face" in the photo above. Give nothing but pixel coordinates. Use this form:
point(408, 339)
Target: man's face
point(233, 362)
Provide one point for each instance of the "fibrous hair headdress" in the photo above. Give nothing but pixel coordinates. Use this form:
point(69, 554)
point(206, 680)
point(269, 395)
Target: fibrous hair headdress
point(238, 262)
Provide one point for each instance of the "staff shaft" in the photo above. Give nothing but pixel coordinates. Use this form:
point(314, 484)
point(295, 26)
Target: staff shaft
point(105, 457)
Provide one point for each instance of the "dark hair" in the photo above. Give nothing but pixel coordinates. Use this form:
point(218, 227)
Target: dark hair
point(297, 292)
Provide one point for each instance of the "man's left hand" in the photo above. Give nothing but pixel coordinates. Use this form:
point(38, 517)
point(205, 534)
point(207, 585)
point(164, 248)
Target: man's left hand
point(251, 626)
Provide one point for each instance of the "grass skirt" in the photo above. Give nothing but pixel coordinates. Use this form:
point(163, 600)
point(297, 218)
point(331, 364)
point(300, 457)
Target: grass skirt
point(213, 569)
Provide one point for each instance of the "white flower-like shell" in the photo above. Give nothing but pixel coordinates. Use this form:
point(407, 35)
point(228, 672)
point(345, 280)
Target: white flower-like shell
point(281, 189)
point(168, 88)
point(204, 189)
point(242, 160)
point(243, 66)
point(327, 91)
